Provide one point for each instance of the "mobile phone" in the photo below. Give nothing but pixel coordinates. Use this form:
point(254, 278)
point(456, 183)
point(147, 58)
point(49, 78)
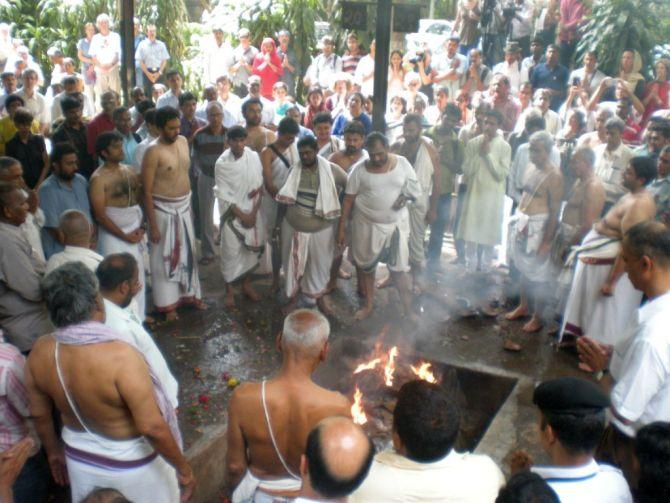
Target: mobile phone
point(575, 81)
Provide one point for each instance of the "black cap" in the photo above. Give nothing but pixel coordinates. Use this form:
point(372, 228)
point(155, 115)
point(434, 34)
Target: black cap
point(570, 395)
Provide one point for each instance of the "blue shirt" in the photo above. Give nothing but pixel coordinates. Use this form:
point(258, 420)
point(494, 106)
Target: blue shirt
point(342, 119)
point(556, 79)
point(55, 198)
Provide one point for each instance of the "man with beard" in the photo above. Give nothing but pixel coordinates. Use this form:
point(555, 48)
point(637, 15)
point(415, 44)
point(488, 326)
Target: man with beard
point(73, 130)
point(378, 191)
point(119, 278)
point(308, 235)
point(167, 203)
point(259, 136)
point(115, 201)
point(423, 158)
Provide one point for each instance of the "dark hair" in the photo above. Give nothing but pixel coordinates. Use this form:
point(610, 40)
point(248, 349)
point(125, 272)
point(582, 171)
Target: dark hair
point(6, 75)
point(652, 448)
point(165, 115)
point(23, 116)
point(150, 116)
point(495, 114)
point(69, 103)
point(172, 73)
point(374, 138)
point(662, 127)
point(70, 293)
point(644, 167)
point(12, 98)
point(308, 141)
point(412, 119)
point(527, 487)
point(60, 150)
point(322, 118)
point(288, 126)
point(118, 111)
point(577, 433)
point(651, 239)
point(114, 270)
point(7, 162)
point(249, 102)
point(324, 482)
point(143, 106)
point(237, 133)
point(426, 419)
point(186, 97)
point(535, 121)
point(452, 110)
point(70, 80)
point(354, 127)
point(104, 140)
point(356, 95)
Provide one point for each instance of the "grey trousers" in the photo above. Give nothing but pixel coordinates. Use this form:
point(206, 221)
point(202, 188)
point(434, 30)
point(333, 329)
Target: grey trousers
point(206, 206)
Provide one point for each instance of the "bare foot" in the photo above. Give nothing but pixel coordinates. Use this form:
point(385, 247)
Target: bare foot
point(385, 283)
point(250, 293)
point(290, 307)
point(229, 300)
point(200, 305)
point(510, 345)
point(342, 274)
point(171, 316)
point(363, 313)
point(324, 305)
point(583, 366)
point(519, 312)
point(533, 325)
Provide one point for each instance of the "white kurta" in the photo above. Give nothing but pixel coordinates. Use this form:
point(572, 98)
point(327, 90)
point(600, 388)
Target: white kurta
point(69, 254)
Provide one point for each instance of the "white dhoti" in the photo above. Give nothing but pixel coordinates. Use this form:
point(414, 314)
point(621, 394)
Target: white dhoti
point(563, 269)
point(525, 238)
point(306, 258)
point(132, 467)
point(419, 208)
point(588, 312)
point(251, 489)
point(174, 268)
point(373, 242)
point(127, 219)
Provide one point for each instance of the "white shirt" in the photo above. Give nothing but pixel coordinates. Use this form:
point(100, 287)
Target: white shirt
point(106, 48)
point(609, 167)
point(125, 322)
point(140, 151)
point(86, 256)
point(641, 368)
point(217, 61)
point(444, 64)
point(168, 99)
point(522, 22)
point(516, 73)
point(365, 66)
point(268, 113)
point(593, 81)
point(88, 110)
point(37, 104)
point(552, 121)
point(233, 105)
point(520, 165)
point(323, 68)
point(592, 482)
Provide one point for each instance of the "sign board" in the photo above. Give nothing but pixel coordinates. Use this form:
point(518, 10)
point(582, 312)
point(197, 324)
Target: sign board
point(354, 16)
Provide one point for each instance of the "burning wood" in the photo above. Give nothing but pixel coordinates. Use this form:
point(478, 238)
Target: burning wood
point(357, 412)
point(368, 365)
point(390, 366)
point(424, 372)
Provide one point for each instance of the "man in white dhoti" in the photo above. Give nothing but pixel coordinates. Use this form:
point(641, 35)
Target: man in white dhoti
point(75, 232)
point(423, 157)
point(119, 428)
point(487, 160)
point(602, 299)
point(269, 421)
point(378, 191)
point(167, 203)
point(114, 192)
point(532, 230)
point(310, 194)
point(238, 176)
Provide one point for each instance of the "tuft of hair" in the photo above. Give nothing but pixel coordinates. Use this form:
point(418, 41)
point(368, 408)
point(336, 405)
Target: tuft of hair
point(143, 106)
point(71, 294)
point(7, 162)
point(306, 331)
point(535, 121)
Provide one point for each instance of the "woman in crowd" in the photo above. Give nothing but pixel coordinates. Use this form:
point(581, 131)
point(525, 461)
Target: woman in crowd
point(268, 67)
point(657, 92)
point(315, 104)
point(396, 74)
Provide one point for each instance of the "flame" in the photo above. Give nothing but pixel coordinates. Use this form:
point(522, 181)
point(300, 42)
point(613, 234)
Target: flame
point(357, 412)
point(424, 372)
point(368, 365)
point(389, 369)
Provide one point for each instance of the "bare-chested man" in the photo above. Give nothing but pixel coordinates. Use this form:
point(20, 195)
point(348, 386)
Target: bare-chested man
point(259, 136)
point(119, 428)
point(602, 298)
point(353, 152)
point(276, 159)
point(532, 228)
point(167, 203)
point(268, 422)
point(114, 192)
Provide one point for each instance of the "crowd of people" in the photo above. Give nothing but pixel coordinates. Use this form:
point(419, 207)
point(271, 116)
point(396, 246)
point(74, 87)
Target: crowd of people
point(529, 156)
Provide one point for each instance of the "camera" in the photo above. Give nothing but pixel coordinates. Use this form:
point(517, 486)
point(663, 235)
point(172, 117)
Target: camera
point(487, 13)
point(509, 10)
point(418, 56)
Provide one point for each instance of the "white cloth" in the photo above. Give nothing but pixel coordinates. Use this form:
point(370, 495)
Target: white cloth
point(516, 73)
point(69, 254)
point(88, 110)
point(279, 175)
point(174, 268)
point(333, 145)
point(424, 169)
point(602, 483)
point(588, 312)
point(32, 229)
point(520, 165)
point(525, 237)
point(366, 66)
point(37, 104)
point(327, 200)
point(140, 151)
point(641, 368)
point(609, 167)
point(458, 477)
point(153, 481)
point(128, 219)
point(217, 60)
point(250, 489)
point(239, 182)
point(552, 121)
point(125, 322)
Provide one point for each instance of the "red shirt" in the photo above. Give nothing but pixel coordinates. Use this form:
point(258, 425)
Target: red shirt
point(101, 123)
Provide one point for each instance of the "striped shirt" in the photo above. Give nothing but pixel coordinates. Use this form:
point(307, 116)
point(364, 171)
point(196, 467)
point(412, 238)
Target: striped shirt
point(13, 396)
point(207, 148)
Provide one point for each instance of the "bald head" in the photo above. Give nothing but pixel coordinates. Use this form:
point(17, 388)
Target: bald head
point(338, 457)
point(306, 332)
point(75, 228)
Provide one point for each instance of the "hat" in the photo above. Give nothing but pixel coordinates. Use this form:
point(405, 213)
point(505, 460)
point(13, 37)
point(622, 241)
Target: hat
point(570, 395)
point(512, 46)
point(243, 33)
point(254, 79)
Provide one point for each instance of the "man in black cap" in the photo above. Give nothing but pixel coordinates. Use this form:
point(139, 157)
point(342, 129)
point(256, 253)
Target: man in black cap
point(572, 422)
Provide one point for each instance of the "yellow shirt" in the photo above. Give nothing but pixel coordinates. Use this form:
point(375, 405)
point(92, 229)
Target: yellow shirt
point(8, 130)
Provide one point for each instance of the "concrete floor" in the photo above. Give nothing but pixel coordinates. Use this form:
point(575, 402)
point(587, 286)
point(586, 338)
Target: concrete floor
point(205, 350)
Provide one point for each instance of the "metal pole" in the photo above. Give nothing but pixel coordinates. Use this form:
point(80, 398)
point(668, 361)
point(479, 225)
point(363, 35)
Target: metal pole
point(127, 33)
point(383, 41)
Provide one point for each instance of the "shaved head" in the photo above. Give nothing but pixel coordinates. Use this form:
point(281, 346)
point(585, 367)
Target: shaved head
point(338, 457)
point(306, 332)
point(75, 227)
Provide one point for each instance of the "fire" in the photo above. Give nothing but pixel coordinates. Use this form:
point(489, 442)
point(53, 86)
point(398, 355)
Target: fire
point(368, 365)
point(357, 412)
point(423, 372)
point(389, 369)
